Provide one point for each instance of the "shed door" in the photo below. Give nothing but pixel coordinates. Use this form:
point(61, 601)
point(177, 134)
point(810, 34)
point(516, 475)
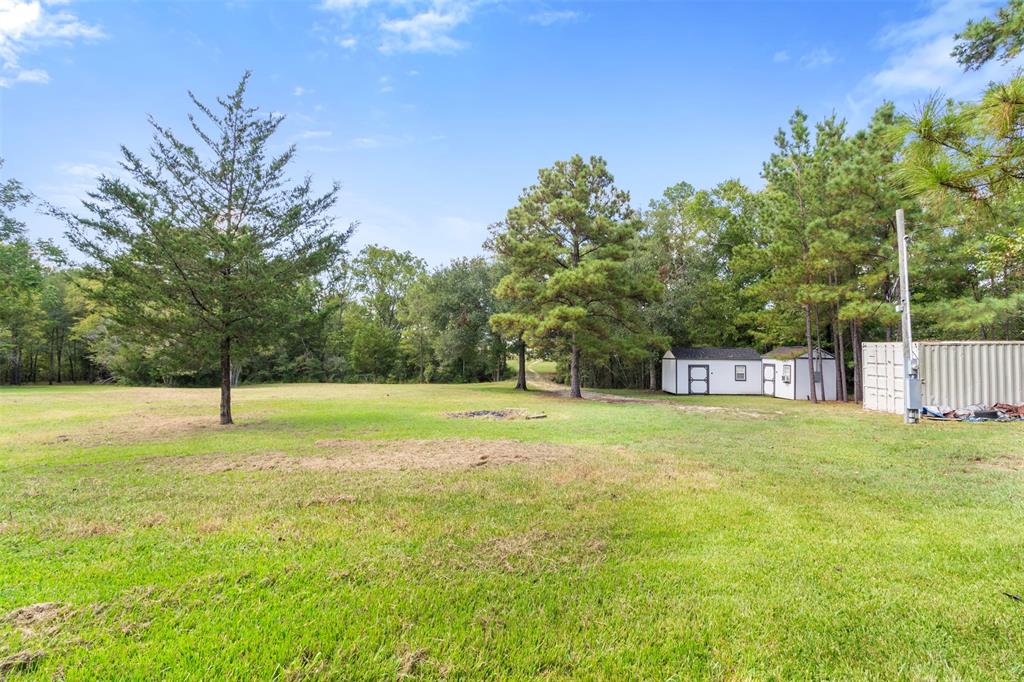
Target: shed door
point(699, 375)
point(768, 379)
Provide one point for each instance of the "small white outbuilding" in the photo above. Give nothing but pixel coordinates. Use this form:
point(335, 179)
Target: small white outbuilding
point(711, 371)
point(785, 374)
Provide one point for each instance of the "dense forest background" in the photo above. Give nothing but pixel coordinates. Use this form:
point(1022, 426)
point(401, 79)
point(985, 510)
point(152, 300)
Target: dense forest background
point(809, 257)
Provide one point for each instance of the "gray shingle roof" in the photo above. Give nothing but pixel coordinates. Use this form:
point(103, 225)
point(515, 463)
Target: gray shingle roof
point(741, 354)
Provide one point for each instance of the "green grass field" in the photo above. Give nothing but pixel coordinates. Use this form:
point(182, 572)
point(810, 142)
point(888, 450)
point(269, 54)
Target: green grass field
point(357, 532)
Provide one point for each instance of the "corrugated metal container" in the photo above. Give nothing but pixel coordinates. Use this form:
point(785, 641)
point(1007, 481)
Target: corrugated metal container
point(953, 373)
point(883, 376)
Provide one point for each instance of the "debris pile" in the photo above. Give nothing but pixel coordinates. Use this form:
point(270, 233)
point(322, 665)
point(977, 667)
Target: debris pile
point(999, 412)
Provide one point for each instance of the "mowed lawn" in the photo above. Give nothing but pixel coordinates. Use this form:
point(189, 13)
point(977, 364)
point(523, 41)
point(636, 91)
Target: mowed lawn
point(358, 532)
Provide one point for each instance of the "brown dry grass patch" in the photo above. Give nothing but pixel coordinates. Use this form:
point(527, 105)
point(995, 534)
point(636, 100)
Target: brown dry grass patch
point(19, 662)
point(142, 427)
point(34, 619)
point(1000, 463)
point(390, 455)
point(77, 528)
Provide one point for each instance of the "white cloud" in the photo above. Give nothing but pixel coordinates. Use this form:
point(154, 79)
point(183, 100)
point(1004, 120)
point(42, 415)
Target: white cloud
point(28, 25)
point(780, 57)
point(313, 134)
point(365, 143)
point(551, 17)
point(24, 76)
point(919, 58)
point(299, 91)
point(816, 58)
point(345, 4)
point(401, 25)
point(88, 171)
point(428, 31)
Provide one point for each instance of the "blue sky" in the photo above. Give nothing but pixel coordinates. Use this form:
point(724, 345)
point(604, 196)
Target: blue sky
point(434, 114)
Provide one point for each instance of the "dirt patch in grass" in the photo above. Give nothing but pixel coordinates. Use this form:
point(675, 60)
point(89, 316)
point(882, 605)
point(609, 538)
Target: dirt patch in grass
point(1000, 463)
point(503, 414)
point(90, 529)
point(19, 662)
point(328, 501)
point(410, 662)
point(392, 455)
point(143, 427)
point(34, 619)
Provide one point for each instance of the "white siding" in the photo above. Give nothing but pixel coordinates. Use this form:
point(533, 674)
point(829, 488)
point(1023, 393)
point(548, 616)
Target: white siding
point(798, 387)
point(784, 389)
point(802, 385)
point(668, 375)
point(683, 376)
point(722, 376)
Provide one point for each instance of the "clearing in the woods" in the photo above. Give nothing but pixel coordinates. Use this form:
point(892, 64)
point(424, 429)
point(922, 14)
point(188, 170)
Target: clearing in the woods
point(367, 531)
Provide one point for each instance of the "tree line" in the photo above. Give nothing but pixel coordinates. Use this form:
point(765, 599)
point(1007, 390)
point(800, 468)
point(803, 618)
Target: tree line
point(205, 264)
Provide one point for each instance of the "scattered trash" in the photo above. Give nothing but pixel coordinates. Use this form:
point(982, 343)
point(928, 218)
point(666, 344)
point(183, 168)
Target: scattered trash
point(1000, 412)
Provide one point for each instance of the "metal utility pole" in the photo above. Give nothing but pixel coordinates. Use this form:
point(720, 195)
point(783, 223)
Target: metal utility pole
point(911, 380)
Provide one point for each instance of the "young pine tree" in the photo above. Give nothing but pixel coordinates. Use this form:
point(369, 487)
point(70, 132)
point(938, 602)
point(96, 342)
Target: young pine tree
point(202, 249)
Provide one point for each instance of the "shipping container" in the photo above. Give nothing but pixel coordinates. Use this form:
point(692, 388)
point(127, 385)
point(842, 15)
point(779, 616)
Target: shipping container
point(953, 373)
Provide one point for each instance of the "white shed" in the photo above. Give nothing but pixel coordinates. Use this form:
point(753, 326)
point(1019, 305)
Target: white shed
point(707, 371)
point(785, 374)
point(953, 373)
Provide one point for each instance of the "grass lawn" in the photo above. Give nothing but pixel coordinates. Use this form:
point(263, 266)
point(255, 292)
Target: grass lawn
point(358, 532)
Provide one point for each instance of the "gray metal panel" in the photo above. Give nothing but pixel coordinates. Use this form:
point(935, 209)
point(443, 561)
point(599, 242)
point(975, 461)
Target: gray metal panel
point(961, 373)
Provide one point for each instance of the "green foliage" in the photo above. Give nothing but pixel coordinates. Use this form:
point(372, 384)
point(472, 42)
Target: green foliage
point(205, 256)
point(999, 38)
point(971, 149)
point(566, 245)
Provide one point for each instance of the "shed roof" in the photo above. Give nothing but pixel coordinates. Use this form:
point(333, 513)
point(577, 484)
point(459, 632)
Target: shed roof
point(741, 354)
point(794, 352)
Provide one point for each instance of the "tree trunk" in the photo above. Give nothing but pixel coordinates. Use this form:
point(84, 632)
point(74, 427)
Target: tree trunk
point(858, 388)
point(575, 390)
point(225, 381)
point(810, 353)
point(840, 343)
point(654, 374)
point(521, 377)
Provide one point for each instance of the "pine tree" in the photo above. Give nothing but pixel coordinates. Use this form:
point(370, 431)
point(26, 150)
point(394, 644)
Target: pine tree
point(203, 250)
point(566, 244)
